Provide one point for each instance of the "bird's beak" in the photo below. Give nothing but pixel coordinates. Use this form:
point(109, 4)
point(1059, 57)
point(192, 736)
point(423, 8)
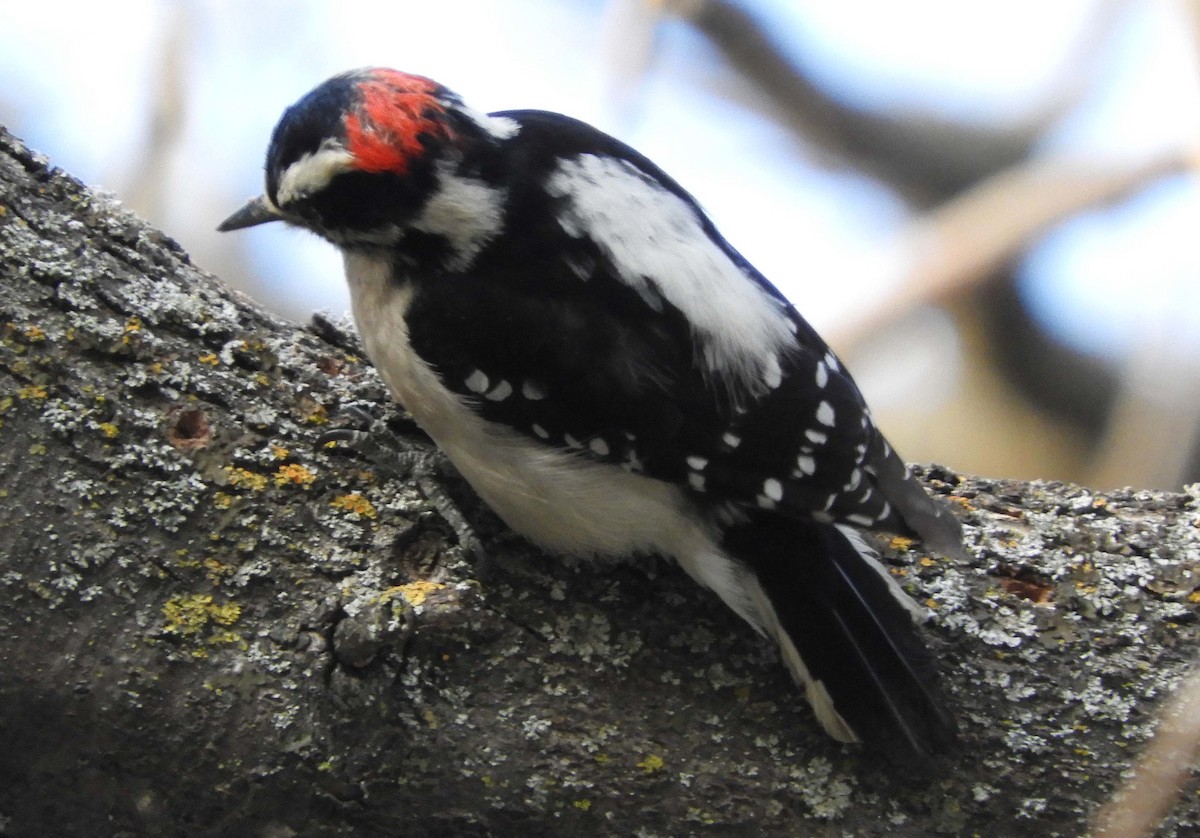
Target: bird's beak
point(256, 211)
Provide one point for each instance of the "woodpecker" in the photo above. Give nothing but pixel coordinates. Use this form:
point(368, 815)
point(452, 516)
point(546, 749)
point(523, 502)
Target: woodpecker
point(614, 379)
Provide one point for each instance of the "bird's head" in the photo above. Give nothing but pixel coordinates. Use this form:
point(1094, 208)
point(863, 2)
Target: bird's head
point(357, 158)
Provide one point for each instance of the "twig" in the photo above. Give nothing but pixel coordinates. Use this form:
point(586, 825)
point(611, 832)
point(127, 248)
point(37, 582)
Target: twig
point(1142, 803)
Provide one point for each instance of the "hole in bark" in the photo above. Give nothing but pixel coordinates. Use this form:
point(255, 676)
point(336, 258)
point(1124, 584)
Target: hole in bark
point(1025, 583)
point(188, 428)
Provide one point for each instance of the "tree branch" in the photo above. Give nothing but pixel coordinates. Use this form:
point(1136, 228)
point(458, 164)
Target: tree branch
point(212, 624)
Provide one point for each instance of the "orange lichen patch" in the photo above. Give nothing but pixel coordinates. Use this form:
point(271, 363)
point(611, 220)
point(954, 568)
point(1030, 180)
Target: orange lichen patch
point(414, 593)
point(133, 324)
point(926, 561)
point(279, 452)
point(294, 474)
point(209, 358)
point(932, 603)
point(901, 543)
point(354, 503)
point(34, 334)
point(1194, 597)
point(245, 478)
point(188, 428)
point(961, 501)
point(32, 391)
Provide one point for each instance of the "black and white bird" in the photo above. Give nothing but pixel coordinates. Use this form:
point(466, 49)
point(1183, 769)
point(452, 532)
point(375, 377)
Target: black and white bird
point(613, 378)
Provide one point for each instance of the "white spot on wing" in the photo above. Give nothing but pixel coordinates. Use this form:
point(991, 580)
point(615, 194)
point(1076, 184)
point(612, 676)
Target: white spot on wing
point(731, 439)
point(696, 481)
point(855, 479)
point(696, 462)
point(883, 513)
point(806, 464)
point(657, 243)
point(571, 442)
point(477, 382)
point(773, 489)
point(541, 432)
point(532, 390)
point(499, 393)
point(822, 374)
point(599, 447)
point(825, 414)
point(861, 520)
point(765, 502)
point(816, 437)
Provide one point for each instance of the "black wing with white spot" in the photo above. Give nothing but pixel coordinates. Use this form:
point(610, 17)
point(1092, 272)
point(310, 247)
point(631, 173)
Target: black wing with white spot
point(564, 345)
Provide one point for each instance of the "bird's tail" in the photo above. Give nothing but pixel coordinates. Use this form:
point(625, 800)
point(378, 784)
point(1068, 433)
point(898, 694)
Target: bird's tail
point(847, 632)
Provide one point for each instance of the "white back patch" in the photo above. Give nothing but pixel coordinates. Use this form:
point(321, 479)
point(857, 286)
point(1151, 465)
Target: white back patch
point(312, 172)
point(658, 245)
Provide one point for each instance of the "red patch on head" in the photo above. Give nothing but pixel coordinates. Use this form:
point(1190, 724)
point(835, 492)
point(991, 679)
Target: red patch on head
point(394, 110)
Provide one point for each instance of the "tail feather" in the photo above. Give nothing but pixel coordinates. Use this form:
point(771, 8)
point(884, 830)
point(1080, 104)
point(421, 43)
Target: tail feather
point(928, 517)
point(847, 633)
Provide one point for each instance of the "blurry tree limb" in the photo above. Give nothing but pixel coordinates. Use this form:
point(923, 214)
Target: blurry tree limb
point(1161, 773)
point(923, 157)
point(1155, 423)
point(212, 624)
point(963, 241)
point(1153, 432)
point(166, 118)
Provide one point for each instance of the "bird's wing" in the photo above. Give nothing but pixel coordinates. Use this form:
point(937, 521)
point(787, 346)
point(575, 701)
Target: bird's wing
point(592, 343)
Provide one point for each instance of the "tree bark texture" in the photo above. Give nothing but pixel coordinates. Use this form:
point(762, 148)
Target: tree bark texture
point(213, 624)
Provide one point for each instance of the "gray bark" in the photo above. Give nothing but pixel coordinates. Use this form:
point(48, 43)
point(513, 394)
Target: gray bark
point(212, 624)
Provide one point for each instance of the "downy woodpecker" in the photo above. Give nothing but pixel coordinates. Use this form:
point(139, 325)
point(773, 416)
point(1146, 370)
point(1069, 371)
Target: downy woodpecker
point(613, 378)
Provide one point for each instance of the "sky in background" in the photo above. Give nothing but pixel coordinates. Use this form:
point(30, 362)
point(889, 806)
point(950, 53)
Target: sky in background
point(80, 79)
